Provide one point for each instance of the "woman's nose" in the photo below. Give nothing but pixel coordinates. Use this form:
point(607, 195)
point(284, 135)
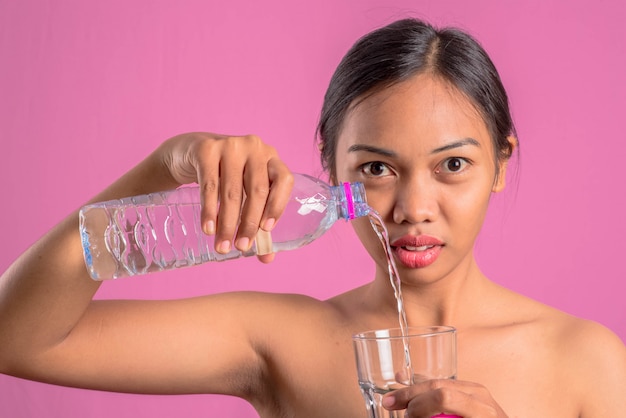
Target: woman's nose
point(416, 202)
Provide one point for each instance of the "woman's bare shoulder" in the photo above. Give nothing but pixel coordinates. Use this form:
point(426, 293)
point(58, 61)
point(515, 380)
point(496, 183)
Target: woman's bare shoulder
point(592, 359)
point(588, 355)
point(564, 327)
point(591, 345)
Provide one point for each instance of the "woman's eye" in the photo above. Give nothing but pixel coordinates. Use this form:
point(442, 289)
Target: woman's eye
point(375, 168)
point(454, 165)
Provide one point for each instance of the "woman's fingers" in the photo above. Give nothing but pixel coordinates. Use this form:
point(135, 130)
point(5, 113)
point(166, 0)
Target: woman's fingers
point(281, 183)
point(244, 185)
point(208, 178)
point(267, 188)
point(451, 397)
point(232, 163)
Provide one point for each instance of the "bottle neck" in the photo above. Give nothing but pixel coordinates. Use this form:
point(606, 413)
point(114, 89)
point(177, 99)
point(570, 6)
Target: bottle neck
point(351, 200)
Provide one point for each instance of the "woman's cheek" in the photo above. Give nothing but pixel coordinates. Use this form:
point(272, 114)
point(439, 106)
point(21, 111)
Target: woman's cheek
point(368, 237)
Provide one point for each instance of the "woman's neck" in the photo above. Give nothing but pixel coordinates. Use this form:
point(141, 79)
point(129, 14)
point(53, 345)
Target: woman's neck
point(449, 300)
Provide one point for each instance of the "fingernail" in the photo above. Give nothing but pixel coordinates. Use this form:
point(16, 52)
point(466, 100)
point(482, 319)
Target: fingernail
point(224, 247)
point(269, 224)
point(388, 401)
point(243, 244)
point(209, 228)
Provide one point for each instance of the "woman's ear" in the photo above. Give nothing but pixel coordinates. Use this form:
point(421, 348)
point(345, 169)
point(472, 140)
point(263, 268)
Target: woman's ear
point(500, 182)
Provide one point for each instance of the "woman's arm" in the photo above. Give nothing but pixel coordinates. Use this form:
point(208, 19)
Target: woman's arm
point(51, 330)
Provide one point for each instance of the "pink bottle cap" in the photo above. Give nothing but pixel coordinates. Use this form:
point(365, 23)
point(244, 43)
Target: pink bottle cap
point(348, 190)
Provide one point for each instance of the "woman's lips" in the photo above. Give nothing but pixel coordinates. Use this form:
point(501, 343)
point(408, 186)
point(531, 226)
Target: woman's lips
point(417, 251)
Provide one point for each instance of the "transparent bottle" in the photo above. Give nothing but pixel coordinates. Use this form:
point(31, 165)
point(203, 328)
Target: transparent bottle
point(161, 231)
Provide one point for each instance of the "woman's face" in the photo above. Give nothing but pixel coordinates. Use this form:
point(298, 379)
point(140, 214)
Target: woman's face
point(427, 162)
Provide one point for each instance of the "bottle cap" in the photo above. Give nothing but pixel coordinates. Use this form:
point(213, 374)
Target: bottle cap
point(347, 188)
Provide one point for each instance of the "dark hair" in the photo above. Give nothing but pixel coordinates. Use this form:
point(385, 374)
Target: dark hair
point(401, 50)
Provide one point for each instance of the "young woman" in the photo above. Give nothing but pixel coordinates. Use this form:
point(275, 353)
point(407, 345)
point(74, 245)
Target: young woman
point(421, 118)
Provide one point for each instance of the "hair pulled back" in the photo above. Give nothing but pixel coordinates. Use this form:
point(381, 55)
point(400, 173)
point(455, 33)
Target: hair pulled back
point(405, 48)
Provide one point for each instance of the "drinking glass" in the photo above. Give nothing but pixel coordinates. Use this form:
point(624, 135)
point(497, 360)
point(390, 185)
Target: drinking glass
point(389, 359)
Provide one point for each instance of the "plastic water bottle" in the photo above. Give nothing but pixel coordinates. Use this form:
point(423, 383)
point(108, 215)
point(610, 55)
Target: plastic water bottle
point(161, 231)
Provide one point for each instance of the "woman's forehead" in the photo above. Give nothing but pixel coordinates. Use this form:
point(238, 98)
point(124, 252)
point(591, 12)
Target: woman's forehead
point(423, 107)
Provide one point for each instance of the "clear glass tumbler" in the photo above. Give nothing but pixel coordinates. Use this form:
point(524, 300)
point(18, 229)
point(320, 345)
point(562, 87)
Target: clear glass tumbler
point(388, 360)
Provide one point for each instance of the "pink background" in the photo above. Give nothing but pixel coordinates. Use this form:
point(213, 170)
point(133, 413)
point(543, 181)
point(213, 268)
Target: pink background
point(88, 88)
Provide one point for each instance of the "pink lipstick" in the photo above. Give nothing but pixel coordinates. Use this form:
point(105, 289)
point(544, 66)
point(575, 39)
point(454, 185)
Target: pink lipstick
point(417, 251)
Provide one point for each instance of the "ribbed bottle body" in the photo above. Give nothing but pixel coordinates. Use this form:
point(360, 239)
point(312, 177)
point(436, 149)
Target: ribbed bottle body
point(161, 231)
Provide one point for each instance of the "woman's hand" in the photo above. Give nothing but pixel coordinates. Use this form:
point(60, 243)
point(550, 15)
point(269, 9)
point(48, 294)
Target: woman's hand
point(243, 174)
point(452, 397)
